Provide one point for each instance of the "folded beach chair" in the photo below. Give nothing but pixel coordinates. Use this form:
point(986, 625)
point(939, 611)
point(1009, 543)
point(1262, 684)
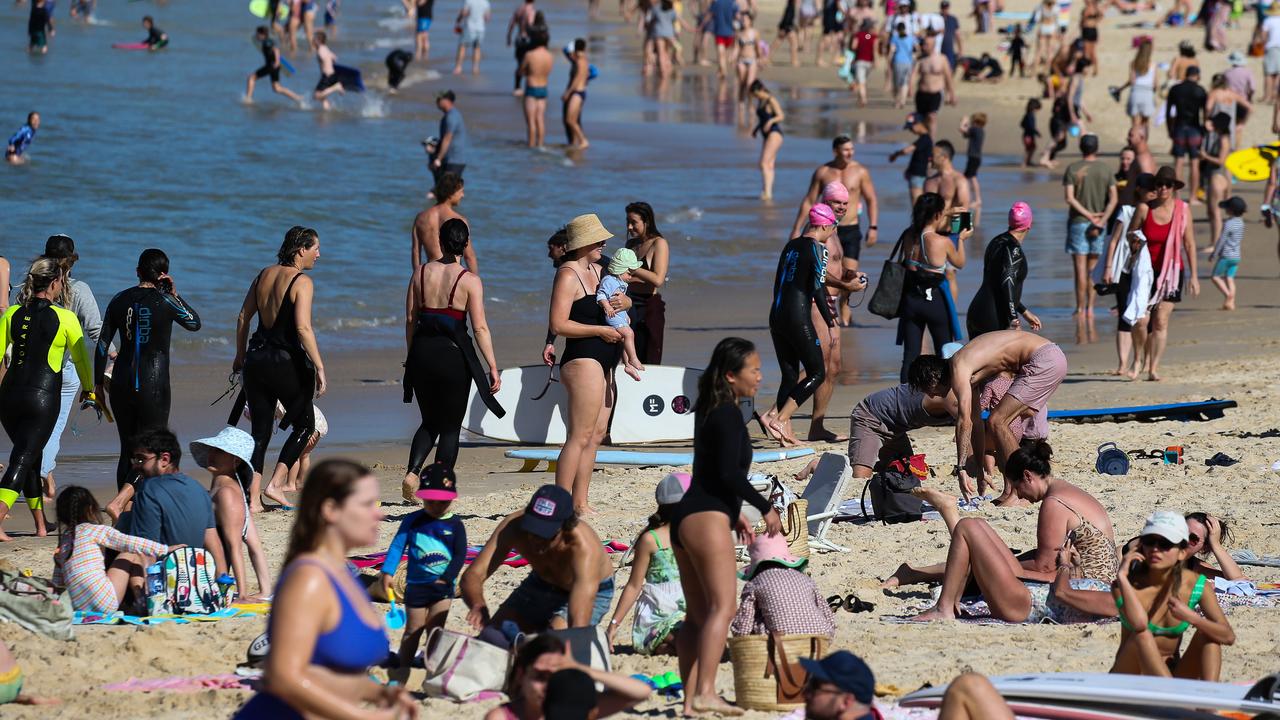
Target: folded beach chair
point(824, 493)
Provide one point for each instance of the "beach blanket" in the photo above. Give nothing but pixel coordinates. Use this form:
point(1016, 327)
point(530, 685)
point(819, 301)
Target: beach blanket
point(1249, 557)
point(82, 617)
point(226, 681)
point(514, 559)
point(854, 509)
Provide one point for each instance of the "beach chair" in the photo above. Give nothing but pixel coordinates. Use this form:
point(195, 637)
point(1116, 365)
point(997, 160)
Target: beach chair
point(824, 493)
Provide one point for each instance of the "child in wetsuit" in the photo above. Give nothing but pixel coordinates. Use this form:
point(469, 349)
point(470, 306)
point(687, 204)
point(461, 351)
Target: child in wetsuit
point(1029, 131)
point(1016, 47)
point(433, 542)
point(624, 261)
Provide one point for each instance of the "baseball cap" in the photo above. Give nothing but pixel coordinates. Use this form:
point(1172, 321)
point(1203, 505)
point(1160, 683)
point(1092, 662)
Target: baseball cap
point(547, 511)
point(821, 215)
point(437, 483)
point(846, 671)
point(1020, 216)
point(671, 489)
point(1234, 205)
point(1169, 525)
point(446, 95)
point(570, 695)
point(835, 191)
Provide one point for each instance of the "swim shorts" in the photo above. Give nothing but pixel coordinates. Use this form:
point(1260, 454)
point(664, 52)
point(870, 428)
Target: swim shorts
point(424, 24)
point(724, 40)
point(327, 81)
point(1079, 242)
point(537, 601)
point(971, 166)
point(928, 102)
point(266, 70)
point(424, 595)
point(537, 93)
point(1186, 141)
point(1040, 377)
point(1226, 267)
point(871, 443)
point(915, 182)
point(471, 37)
point(850, 240)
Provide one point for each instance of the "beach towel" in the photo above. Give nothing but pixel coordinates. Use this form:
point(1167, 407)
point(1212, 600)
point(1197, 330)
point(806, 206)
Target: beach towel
point(1117, 262)
point(82, 617)
point(1141, 279)
point(226, 681)
point(1249, 557)
point(1169, 274)
point(514, 559)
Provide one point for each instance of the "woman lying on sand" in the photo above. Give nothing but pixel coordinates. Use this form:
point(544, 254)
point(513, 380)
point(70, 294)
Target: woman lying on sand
point(977, 550)
point(1158, 598)
point(1208, 535)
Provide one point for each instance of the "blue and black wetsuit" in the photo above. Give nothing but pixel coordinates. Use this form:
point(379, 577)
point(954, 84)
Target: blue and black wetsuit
point(802, 269)
point(140, 396)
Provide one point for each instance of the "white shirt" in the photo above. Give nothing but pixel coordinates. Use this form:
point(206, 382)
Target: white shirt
point(476, 10)
point(1271, 28)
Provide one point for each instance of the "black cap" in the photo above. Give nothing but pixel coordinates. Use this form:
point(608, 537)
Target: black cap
point(547, 511)
point(846, 671)
point(1146, 181)
point(1234, 205)
point(438, 483)
point(570, 695)
point(445, 95)
point(60, 246)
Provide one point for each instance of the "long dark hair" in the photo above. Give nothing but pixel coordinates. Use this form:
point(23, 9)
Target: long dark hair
point(152, 263)
point(296, 240)
point(75, 505)
point(645, 211)
point(1203, 519)
point(713, 390)
point(330, 480)
point(527, 654)
point(1034, 455)
point(926, 210)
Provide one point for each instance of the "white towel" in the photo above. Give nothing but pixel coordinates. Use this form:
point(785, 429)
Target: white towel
point(1142, 279)
point(1117, 261)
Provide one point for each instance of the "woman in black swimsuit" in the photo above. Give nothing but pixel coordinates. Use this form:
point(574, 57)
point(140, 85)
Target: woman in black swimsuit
point(769, 117)
point(442, 362)
point(590, 354)
point(700, 528)
point(281, 362)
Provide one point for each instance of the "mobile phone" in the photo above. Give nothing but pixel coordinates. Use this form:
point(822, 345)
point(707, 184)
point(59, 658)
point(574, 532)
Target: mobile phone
point(1136, 566)
point(966, 221)
point(956, 224)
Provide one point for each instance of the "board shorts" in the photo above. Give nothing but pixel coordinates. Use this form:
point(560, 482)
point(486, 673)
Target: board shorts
point(424, 24)
point(1226, 267)
point(424, 595)
point(1079, 242)
point(928, 103)
point(915, 182)
point(537, 601)
point(327, 81)
point(872, 443)
point(1036, 426)
point(1040, 377)
point(850, 239)
point(724, 40)
point(471, 37)
point(266, 70)
point(861, 69)
point(1271, 61)
point(971, 166)
point(1186, 141)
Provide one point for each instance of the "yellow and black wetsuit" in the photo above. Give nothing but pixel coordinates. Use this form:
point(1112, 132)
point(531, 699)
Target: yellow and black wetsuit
point(41, 335)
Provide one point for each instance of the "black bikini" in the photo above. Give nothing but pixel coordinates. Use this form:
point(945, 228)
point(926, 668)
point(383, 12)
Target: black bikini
point(587, 311)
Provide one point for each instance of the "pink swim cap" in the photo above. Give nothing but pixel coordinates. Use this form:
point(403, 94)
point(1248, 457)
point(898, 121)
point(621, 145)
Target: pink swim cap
point(835, 191)
point(1020, 216)
point(821, 215)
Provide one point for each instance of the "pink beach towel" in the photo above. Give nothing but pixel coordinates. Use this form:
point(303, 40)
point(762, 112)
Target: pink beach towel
point(1169, 277)
point(225, 681)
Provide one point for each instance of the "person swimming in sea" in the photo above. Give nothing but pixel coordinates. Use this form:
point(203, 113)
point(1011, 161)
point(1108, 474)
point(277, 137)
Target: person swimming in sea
point(156, 38)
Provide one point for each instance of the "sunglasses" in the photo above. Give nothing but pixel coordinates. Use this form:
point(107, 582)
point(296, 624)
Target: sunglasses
point(1193, 538)
point(1157, 542)
point(1165, 185)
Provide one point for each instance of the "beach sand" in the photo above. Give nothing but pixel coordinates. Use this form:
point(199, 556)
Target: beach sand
point(1211, 354)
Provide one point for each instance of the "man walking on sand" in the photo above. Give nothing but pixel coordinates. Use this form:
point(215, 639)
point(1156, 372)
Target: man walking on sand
point(270, 67)
point(571, 578)
point(932, 79)
point(1038, 367)
point(857, 181)
point(535, 68)
point(1089, 188)
point(426, 225)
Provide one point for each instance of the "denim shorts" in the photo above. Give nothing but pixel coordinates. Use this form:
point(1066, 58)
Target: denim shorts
point(1226, 267)
point(1078, 241)
point(536, 601)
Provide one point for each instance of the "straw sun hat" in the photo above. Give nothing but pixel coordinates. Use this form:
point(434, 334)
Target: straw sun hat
point(584, 231)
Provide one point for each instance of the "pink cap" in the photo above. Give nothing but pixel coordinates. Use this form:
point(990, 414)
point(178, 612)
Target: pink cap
point(1020, 216)
point(821, 215)
point(835, 191)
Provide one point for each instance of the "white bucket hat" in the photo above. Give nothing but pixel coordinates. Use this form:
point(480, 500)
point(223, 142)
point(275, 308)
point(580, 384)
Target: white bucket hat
point(232, 440)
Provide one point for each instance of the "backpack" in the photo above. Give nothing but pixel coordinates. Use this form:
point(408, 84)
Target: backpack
point(182, 583)
point(891, 498)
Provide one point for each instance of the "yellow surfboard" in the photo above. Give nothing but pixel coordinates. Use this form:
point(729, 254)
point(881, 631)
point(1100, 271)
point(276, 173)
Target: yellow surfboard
point(258, 8)
point(1253, 164)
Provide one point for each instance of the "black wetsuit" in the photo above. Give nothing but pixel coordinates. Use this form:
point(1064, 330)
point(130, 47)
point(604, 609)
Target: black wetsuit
point(721, 459)
point(587, 311)
point(397, 61)
point(440, 368)
point(797, 286)
point(276, 368)
point(139, 392)
point(998, 301)
point(40, 335)
point(923, 305)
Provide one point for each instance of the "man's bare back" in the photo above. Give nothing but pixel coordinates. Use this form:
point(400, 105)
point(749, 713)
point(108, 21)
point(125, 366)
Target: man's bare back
point(536, 67)
point(560, 561)
point(426, 232)
point(992, 353)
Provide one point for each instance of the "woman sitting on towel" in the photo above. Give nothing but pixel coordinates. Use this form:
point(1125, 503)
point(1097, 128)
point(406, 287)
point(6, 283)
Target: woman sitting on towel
point(1160, 599)
point(977, 550)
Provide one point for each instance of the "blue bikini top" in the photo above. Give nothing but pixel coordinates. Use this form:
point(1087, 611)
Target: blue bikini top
point(351, 646)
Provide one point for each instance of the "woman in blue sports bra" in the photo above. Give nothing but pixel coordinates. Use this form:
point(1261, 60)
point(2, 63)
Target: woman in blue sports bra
point(324, 632)
point(1159, 601)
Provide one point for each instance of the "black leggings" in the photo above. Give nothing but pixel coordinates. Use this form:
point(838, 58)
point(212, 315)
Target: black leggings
point(28, 415)
point(796, 343)
point(135, 411)
point(437, 370)
point(290, 382)
point(915, 314)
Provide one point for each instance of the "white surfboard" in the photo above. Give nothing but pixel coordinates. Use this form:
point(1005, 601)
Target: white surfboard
point(657, 408)
point(1094, 689)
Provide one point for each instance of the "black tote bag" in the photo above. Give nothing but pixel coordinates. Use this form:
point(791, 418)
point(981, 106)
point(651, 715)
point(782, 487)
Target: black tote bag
point(888, 295)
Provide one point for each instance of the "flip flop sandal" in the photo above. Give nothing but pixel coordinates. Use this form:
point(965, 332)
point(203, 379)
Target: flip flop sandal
point(835, 603)
point(854, 605)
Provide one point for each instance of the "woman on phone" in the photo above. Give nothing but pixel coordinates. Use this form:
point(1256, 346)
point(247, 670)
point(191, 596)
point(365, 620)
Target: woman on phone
point(1158, 599)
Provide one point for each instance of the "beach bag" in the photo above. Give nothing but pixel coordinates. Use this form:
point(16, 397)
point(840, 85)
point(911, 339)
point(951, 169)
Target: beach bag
point(35, 604)
point(888, 294)
point(891, 498)
point(188, 575)
point(795, 527)
point(588, 645)
point(460, 667)
point(767, 674)
point(1112, 460)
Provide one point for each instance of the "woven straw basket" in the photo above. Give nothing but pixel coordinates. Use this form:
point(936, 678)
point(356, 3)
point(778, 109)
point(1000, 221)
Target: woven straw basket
point(795, 526)
point(755, 681)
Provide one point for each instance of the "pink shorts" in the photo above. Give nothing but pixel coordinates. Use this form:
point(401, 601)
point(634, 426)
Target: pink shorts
point(1036, 426)
point(1040, 377)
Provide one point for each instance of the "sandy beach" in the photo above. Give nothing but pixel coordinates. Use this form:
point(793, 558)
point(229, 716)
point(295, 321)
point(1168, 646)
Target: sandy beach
point(1211, 354)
